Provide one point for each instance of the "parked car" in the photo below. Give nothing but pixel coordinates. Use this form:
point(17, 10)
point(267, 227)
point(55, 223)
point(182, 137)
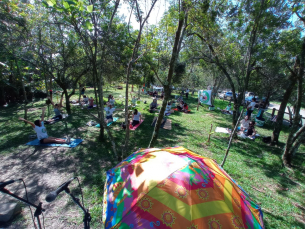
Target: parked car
point(221, 94)
point(248, 94)
point(229, 95)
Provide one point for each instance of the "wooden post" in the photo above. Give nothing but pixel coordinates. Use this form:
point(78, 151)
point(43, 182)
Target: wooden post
point(198, 104)
point(231, 137)
point(273, 111)
point(210, 133)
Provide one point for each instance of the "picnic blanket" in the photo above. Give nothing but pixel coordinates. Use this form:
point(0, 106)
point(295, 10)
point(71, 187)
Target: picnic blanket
point(64, 116)
point(109, 123)
point(223, 130)
point(136, 126)
point(74, 143)
point(188, 111)
point(166, 123)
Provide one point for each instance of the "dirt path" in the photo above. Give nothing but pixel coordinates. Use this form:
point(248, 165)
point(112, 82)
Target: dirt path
point(43, 169)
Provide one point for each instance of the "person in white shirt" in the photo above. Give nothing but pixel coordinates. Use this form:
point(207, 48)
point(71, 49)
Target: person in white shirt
point(85, 99)
point(251, 107)
point(41, 131)
point(136, 117)
point(244, 124)
point(109, 111)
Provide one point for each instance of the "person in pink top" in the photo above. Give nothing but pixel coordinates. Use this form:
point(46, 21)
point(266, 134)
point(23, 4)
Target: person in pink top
point(91, 101)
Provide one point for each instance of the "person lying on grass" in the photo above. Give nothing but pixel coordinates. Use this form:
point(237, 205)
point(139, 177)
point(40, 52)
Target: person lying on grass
point(109, 111)
point(136, 118)
point(227, 110)
point(41, 131)
point(153, 106)
point(57, 110)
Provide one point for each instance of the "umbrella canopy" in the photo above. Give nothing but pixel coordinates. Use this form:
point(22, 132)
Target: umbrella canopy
point(175, 188)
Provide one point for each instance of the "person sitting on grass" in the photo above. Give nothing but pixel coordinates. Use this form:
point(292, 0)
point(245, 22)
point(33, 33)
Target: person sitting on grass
point(153, 106)
point(109, 111)
point(85, 99)
point(244, 124)
point(133, 101)
point(185, 108)
point(180, 106)
point(57, 110)
point(251, 130)
point(227, 110)
point(162, 95)
point(168, 108)
point(91, 102)
point(41, 131)
point(112, 101)
point(136, 118)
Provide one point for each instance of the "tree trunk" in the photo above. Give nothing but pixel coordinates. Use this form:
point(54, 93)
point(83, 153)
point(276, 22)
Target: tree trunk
point(167, 84)
point(280, 116)
point(68, 106)
point(292, 137)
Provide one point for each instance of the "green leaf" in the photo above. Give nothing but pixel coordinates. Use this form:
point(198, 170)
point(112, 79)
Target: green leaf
point(51, 2)
point(90, 8)
point(66, 5)
point(88, 25)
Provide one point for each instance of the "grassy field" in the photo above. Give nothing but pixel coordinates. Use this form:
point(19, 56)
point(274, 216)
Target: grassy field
point(255, 165)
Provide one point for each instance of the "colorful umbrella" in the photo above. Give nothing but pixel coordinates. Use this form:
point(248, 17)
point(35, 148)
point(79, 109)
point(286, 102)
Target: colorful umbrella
point(175, 188)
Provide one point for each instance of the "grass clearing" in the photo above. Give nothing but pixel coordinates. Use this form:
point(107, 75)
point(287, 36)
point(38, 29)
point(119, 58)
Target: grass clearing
point(253, 164)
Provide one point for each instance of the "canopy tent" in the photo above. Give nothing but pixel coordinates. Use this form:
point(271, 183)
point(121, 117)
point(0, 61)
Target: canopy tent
point(175, 188)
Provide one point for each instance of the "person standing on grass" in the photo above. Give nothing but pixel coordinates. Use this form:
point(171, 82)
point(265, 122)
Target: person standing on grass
point(41, 131)
point(187, 91)
point(251, 107)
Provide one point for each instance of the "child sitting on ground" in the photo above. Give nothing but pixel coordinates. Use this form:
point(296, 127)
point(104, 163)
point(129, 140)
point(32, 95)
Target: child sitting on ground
point(227, 110)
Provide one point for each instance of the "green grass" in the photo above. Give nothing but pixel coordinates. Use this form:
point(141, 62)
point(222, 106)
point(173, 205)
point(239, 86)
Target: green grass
point(257, 167)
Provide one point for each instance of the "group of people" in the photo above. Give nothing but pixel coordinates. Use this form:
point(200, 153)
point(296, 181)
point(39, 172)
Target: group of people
point(247, 127)
point(89, 101)
point(182, 106)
